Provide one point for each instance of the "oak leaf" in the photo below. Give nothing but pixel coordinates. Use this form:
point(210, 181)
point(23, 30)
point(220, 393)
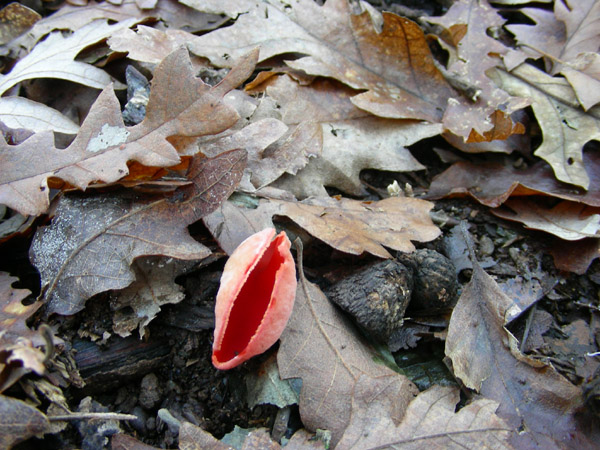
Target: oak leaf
point(18, 354)
point(93, 240)
point(492, 184)
point(431, 421)
point(567, 220)
point(321, 346)
point(352, 140)
point(180, 106)
point(23, 113)
point(486, 358)
point(566, 128)
point(385, 55)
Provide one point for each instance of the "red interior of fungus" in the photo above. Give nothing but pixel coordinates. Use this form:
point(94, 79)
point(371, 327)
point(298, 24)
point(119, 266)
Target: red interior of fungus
point(251, 304)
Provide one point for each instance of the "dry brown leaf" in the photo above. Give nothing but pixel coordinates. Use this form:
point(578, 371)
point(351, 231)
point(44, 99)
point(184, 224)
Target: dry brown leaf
point(154, 286)
point(19, 421)
point(571, 30)
point(567, 220)
point(320, 346)
point(566, 128)
point(93, 240)
point(486, 358)
point(394, 66)
point(492, 184)
point(15, 19)
point(55, 57)
point(574, 256)
point(352, 139)
point(192, 437)
point(583, 73)
point(147, 44)
point(121, 441)
point(355, 227)
point(431, 421)
point(473, 53)
point(180, 106)
point(18, 355)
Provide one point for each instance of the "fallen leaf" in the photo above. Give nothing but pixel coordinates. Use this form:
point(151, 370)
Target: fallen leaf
point(55, 57)
point(139, 303)
point(20, 112)
point(532, 396)
point(394, 66)
point(15, 19)
point(93, 240)
point(466, 24)
point(18, 355)
point(320, 346)
point(567, 220)
point(121, 441)
point(431, 421)
point(147, 44)
point(355, 227)
point(566, 129)
point(575, 256)
point(183, 108)
point(19, 421)
point(583, 73)
point(192, 437)
point(491, 184)
point(352, 140)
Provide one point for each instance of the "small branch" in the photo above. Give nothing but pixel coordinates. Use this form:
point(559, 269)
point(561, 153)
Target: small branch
point(91, 416)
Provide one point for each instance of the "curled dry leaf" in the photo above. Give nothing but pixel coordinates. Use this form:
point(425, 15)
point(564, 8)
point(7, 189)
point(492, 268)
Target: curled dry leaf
point(385, 55)
point(180, 106)
point(255, 299)
point(18, 355)
point(323, 348)
point(93, 240)
point(486, 358)
point(567, 220)
point(565, 127)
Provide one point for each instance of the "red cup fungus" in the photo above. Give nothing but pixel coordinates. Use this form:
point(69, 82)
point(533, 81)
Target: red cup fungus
point(255, 299)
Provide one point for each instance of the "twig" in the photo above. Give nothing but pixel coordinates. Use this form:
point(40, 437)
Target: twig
point(91, 416)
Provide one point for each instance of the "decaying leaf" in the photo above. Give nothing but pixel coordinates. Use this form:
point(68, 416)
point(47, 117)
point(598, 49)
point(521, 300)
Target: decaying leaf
point(154, 286)
point(18, 355)
point(317, 333)
point(567, 220)
point(583, 74)
point(387, 55)
point(15, 19)
point(352, 139)
point(492, 184)
point(430, 421)
point(180, 106)
point(54, 57)
point(486, 358)
point(473, 52)
point(566, 128)
point(20, 112)
point(355, 227)
point(19, 421)
point(93, 240)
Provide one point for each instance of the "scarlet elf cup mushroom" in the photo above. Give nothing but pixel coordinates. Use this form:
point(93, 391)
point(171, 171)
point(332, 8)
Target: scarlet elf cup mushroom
point(255, 299)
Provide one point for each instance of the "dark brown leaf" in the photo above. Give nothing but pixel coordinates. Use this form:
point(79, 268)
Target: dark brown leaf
point(93, 240)
point(19, 421)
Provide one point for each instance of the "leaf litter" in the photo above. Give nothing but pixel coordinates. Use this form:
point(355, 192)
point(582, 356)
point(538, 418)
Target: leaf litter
point(334, 141)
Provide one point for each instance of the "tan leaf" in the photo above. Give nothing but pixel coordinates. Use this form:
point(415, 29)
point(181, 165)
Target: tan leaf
point(55, 57)
point(122, 441)
point(430, 421)
point(147, 44)
point(566, 128)
point(352, 140)
point(320, 346)
point(93, 240)
point(583, 73)
point(394, 66)
point(20, 112)
point(19, 421)
point(486, 358)
point(139, 303)
point(567, 220)
point(180, 105)
point(18, 355)
point(355, 227)
point(475, 53)
point(192, 437)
